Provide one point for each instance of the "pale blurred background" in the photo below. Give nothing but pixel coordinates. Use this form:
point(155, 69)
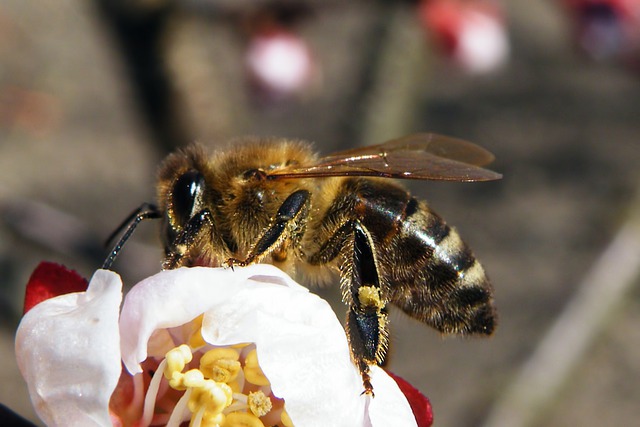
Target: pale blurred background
point(94, 93)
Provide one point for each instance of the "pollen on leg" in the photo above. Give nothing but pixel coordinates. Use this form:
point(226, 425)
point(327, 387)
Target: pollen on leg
point(369, 296)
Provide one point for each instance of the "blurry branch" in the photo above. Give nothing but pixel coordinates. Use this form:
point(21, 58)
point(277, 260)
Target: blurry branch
point(602, 291)
point(392, 98)
point(392, 67)
point(139, 29)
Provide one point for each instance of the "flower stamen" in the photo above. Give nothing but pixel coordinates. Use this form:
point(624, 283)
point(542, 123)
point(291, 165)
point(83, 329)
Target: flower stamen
point(259, 403)
point(242, 419)
point(221, 364)
point(177, 358)
point(285, 419)
point(252, 371)
point(213, 394)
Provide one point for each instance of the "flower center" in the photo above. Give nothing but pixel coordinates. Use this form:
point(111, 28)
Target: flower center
point(214, 386)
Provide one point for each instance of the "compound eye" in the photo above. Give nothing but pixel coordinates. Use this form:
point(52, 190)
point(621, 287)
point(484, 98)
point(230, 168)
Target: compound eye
point(186, 197)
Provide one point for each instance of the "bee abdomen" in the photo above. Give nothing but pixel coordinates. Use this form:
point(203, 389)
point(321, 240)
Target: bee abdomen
point(438, 279)
point(452, 257)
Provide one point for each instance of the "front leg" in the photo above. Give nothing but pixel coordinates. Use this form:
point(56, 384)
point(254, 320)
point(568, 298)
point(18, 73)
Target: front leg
point(183, 242)
point(288, 224)
point(367, 329)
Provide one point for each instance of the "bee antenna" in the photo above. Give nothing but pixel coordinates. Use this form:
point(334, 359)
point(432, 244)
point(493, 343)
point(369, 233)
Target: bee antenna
point(145, 211)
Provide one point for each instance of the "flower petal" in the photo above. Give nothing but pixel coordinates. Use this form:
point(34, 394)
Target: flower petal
point(67, 350)
point(390, 408)
point(302, 347)
point(420, 404)
point(303, 350)
point(49, 280)
point(174, 297)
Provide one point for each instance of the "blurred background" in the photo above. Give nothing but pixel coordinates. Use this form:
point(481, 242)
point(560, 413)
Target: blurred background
point(93, 94)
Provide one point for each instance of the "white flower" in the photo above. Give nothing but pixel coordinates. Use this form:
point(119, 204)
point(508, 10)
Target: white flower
point(68, 350)
point(186, 324)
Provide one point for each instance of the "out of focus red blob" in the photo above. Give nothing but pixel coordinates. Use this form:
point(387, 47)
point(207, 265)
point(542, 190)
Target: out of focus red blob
point(471, 34)
point(420, 404)
point(606, 29)
point(49, 280)
point(279, 64)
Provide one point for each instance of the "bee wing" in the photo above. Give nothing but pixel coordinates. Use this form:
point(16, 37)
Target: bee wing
point(420, 156)
point(438, 145)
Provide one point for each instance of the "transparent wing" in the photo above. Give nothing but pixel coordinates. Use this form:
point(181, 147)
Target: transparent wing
point(419, 156)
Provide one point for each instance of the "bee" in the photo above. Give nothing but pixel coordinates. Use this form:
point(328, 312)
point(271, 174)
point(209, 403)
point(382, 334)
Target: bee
point(275, 201)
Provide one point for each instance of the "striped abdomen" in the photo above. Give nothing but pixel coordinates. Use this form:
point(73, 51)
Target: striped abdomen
point(430, 273)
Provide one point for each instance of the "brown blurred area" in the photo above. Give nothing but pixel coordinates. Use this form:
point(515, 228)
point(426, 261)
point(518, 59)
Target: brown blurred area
point(94, 94)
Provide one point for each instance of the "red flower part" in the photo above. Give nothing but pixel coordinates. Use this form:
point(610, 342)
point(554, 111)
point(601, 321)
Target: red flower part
point(471, 34)
point(279, 64)
point(49, 280)
point(419, 403)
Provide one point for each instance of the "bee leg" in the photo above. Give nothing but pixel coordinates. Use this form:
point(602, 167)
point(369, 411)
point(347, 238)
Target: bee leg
point(366, 324)
point(367, 315)
point(184, 240)
point(287, 224)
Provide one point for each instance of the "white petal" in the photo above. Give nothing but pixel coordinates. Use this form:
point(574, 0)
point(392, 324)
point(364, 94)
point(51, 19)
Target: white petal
point(68, 352)
point(303, 350)
point(302, 347)
point(175, 297)
point(390, 408)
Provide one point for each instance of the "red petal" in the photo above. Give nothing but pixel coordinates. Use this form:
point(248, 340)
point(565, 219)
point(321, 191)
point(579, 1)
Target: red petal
point(49, 280)
point(419, 403)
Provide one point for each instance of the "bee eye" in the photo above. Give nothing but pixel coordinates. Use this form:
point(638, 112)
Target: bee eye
point(186, 197)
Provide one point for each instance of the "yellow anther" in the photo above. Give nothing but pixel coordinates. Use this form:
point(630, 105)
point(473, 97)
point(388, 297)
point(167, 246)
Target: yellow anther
point(221, 364)
point(252, 371)
point(241, 419)
point(284, 418)
point(225, 370)
point(211, 395)
point(193, 378)
point(175, 382)
point(369, 296)
point(259, 403)
point(195, 339)
point(197, 322)
point(235, 386)
point(177, 359)
point(219, 353)
point(210, 419)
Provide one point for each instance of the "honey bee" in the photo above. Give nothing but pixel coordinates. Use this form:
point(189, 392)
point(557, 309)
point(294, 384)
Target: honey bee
point(275, 201)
